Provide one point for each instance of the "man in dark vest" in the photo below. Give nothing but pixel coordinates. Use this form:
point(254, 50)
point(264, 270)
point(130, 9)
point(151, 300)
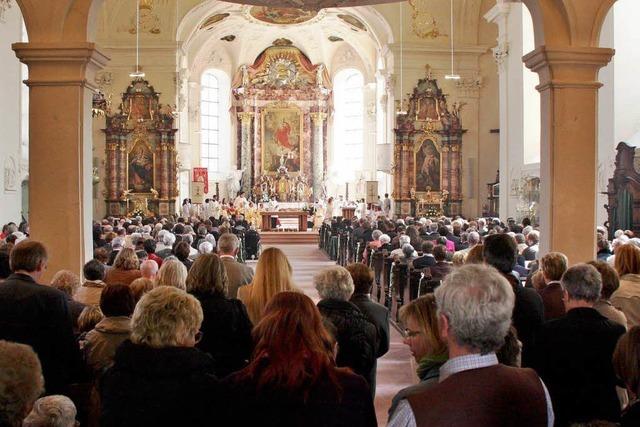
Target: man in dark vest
point(475, 303)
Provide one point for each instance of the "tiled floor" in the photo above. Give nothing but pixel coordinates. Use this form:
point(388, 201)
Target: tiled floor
point(395, 369)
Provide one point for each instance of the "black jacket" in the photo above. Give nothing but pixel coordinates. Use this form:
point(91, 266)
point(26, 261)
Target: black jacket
point(377, 314)
point(172, 386)
point(226, 333)
point(356, 337)
point(572, 355)
point(40, 317)
point(352, 406)
point(424, 262)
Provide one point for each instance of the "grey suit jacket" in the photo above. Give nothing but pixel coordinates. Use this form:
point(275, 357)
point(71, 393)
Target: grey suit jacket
point(238, 274)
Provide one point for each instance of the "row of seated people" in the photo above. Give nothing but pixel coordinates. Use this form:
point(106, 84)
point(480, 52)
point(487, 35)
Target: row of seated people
point(542, 304)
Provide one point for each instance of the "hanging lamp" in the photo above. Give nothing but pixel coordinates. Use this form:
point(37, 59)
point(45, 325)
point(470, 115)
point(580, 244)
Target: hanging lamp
point(401, 110)
point(137, 74)
point(453, 75)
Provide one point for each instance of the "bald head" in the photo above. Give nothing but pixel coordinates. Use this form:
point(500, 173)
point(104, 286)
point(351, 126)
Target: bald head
point(149, 269)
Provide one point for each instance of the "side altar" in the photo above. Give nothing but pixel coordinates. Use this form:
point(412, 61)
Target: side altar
point(427, 162)
point(141, 165)
point(282, 102)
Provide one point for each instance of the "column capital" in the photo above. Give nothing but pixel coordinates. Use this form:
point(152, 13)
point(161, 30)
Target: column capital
point(318, 117)
point(61, 63)
point(498, 12)
point(568, 67)
point(245, 116)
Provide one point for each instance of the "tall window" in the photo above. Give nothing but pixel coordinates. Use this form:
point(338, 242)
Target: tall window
point(348, 139)
point(210, 122)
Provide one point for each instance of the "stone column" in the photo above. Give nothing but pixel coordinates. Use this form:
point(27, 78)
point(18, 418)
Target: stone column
point(245, 155)
point(317, 153)
point(569, 100)
point(60, 164)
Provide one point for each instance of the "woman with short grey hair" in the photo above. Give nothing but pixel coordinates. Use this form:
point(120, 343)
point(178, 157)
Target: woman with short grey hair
point(52, 411)
point(355, 334)
point(159, 377)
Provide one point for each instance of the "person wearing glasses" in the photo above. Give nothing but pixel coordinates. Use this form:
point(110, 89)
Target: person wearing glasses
point(159, 377)
point(420, 319)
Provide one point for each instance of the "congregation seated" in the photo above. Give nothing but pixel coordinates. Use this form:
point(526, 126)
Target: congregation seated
point(292, 379)
point(356, 336)
point(572, 354)
point(475, 304)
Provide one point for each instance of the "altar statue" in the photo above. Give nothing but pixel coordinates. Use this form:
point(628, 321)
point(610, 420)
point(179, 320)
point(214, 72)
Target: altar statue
point(233, 183)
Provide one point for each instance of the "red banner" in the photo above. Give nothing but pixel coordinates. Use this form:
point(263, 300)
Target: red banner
point(202, 175)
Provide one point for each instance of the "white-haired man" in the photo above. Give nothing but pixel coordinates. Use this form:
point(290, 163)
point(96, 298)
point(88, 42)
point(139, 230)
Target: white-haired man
point(474, 312)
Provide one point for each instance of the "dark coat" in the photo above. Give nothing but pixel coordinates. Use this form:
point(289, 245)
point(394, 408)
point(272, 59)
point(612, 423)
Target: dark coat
point(631, 416)
point(356, 337)
point(226, 333)
point(172, 386)
point(528, 315)
point(324, 407)
point(424, 261)
point(40, 317)
point(572, 355)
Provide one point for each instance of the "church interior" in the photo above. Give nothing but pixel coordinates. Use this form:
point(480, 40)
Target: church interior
point(292, 116)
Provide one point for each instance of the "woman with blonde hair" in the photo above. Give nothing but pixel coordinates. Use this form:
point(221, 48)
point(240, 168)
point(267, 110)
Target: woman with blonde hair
point(420, 319)
point(273, 275)
point(226, 328)
point(68, 282)
point(625, 298)
point(126, 268)
point(172, 273)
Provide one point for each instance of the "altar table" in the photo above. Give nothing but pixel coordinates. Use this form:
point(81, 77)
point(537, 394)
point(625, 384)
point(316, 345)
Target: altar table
point(301, 215)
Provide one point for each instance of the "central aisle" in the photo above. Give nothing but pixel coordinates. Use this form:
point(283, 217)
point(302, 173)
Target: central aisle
point(395, 369)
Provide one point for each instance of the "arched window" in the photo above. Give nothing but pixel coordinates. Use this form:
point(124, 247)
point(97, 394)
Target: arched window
point(348, 138)
point(214, 122)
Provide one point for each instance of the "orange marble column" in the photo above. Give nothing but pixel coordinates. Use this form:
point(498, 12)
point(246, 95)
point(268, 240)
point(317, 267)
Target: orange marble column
point(60, 145)
point(569, 103)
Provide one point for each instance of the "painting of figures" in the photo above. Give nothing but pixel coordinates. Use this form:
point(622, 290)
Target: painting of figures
point(281, 139)
point(140, 168)
point(427, 164)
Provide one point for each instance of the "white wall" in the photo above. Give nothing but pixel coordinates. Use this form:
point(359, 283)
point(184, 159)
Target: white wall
point(10, 118)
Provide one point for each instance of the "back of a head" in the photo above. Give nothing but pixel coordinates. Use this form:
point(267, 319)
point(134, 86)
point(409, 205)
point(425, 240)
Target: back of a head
point(478, 303)
point(164, 317)
point(499, 251)
point(362, 277)
point(407, 250)
point(66, 281)
point(94, 270)
point(207, 276)
point(273, 274)
point(126, 260)
point(149, 268)
point(553, 265)
point(21, 381)
point(440, 253)
point(583, 283)
point(149, 246)
point(117, 300)
point(334, 282)
point(172, 273)
point(28, 256)
point(52, 411)
point(627, 260)
point(403, 240)
point(427, 247)
point(182, 250)
point(295, 360)
point(227, 244)
point(626, 359)
point(610, 278)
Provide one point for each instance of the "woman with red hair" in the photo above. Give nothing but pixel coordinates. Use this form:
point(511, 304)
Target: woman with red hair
point(292, 379)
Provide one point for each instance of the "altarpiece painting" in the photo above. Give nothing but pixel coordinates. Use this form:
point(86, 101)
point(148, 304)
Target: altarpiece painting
point(281, 139)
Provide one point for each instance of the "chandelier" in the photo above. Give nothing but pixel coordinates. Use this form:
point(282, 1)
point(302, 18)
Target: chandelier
point(137, 74)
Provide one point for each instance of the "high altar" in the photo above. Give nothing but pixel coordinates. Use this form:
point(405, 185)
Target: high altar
point(282, 101)
point(428, 154)
point(141, 164)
